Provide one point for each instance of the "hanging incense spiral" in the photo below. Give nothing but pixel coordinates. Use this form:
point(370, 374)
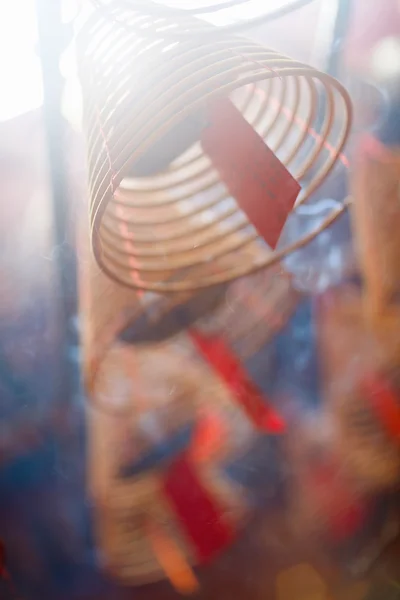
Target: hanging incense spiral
point(169, 209)
point(166, 424)
point(142, 464)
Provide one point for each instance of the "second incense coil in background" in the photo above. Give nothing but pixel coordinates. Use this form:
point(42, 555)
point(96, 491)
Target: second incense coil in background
point(161, 217)
point(156, 399)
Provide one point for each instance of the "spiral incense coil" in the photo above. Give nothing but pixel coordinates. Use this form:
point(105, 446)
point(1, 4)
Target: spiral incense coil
point(214, 12)
point(154, 402)
point(160, 217)
point(245, 316)
point(178, 408)
point(130, 457)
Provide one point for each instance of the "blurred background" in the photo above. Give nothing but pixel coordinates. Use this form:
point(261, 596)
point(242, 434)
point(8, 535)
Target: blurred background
point(46, 515)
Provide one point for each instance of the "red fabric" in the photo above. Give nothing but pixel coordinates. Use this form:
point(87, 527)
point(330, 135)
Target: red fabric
point(262, 186)
point(229, 368)
point(200, 515)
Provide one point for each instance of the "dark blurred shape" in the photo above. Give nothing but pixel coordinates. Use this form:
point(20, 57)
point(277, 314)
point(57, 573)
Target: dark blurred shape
point(162, 320)
point(169, 147)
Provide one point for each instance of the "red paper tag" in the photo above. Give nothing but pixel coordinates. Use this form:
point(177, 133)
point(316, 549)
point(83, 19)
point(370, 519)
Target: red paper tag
point(229, 368)
point(196, 509)
point(262, 186)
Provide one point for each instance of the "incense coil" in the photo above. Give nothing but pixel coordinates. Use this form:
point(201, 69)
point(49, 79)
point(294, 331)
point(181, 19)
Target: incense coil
point(180, 230)
point(127, 487)
point(247, 315)
point(165, 388)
